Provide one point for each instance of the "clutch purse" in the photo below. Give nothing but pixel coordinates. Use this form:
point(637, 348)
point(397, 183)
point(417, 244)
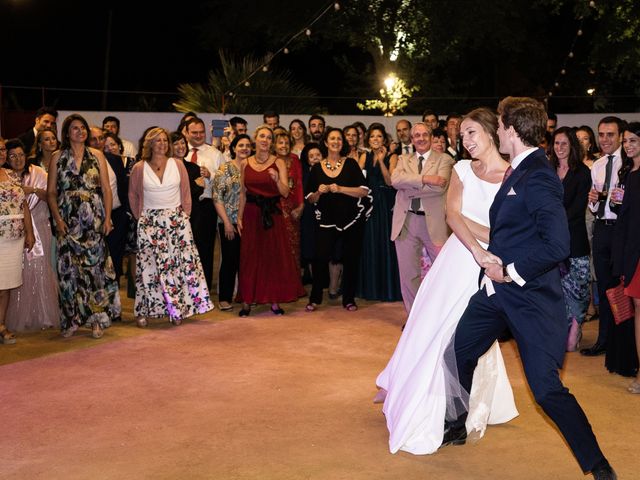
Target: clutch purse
point(621, 304)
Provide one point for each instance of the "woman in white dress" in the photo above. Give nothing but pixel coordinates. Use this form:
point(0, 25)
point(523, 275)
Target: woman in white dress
point(417, 383)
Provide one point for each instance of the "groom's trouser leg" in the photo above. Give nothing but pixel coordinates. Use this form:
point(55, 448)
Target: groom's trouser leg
point(481, 323)
point(561, 406)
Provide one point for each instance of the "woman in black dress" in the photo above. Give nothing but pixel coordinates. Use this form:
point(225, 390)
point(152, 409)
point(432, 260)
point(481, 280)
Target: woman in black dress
point(339, 195)
point(623, 344)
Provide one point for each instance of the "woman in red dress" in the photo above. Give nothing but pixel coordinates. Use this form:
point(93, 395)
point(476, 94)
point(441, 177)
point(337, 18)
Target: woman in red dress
point(293, 204)
point(268, 272)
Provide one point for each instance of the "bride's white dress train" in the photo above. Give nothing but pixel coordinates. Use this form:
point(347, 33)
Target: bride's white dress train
point(415, 378)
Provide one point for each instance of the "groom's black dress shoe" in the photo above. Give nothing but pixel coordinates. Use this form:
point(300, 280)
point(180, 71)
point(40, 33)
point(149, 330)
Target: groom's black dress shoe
point(604, 473)
point(593, 351)
point(454, 436)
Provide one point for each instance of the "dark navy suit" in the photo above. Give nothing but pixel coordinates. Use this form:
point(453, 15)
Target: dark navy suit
point(529, 229)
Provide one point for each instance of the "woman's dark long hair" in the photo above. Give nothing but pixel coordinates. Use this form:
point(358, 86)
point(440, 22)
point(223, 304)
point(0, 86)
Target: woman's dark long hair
point(575, 149)
point(627, 161)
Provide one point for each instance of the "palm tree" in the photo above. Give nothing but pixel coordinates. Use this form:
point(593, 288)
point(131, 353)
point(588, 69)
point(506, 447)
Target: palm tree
point(246, 85)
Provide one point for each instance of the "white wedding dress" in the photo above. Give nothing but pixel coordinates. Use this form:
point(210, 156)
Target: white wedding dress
point(415, 378)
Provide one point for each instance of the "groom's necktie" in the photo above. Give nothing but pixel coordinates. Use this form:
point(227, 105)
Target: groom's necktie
point(194, 155)
point(507, 173)
point(415, 203)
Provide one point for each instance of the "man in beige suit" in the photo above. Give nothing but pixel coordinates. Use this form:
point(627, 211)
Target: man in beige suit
point(421, 179)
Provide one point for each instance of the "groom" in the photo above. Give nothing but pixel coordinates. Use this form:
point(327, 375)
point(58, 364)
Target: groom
point(520, 283)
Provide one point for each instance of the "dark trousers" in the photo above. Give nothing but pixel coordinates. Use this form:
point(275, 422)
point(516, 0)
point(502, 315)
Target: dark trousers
point(326, 240)
point(602, 244)
point(204, 236)
point(229, 265)
point(481, 324)
point(117, 238)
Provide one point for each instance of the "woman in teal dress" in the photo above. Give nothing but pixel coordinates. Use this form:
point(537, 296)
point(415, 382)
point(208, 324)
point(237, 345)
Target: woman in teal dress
point(379, 278)
point(79, 198)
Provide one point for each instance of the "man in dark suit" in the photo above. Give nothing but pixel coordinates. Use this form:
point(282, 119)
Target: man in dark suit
point(520, 283)
point(120, 194)
point(45, 118)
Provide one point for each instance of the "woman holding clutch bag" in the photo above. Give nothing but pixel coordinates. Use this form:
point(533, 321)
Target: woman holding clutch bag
point(622, 351)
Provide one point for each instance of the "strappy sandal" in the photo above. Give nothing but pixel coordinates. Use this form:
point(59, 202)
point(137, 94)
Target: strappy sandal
point(277, 311)
point(177, 322)
point(68, 333)
point(351, 307)
point(96, 330)
point(141, 322)
point(6, 337)
point(311, 307)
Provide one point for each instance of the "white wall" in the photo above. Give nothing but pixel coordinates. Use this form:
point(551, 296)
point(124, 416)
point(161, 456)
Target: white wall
point(133, 124)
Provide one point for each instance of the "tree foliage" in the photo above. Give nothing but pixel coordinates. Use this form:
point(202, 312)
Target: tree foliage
point(227, 89)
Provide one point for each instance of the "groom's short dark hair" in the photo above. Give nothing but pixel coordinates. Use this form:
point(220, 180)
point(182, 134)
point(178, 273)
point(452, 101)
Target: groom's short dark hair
point(527, 116)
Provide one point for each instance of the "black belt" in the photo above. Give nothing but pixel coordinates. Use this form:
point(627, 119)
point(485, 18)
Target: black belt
point(606, 221)
point(417, 213)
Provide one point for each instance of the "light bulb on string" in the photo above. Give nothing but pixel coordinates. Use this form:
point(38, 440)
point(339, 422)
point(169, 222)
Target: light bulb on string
point(550, 94)
point(286, 50)
point(336, 6)
point(570, 54)
point(556, 84)
point(563, 71)
point(246, 84)
point(307, 32)
point(592, 4)
point(265, 68)
point(579, 32)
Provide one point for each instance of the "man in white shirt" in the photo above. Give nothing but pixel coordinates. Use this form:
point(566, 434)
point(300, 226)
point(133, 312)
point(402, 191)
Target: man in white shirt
point(119, 183)
point(209, 160)
point(604, 175)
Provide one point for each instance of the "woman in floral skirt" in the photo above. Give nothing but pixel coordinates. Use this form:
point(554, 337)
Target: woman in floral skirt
point(169, 277)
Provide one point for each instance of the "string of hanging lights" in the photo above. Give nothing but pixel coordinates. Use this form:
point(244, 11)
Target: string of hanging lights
point(285, 48)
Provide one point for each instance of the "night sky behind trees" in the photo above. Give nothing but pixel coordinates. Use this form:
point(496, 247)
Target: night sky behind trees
point(458, 51)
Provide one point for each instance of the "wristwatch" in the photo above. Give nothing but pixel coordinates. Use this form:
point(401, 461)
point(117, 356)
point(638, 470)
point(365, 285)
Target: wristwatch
point(505, 274)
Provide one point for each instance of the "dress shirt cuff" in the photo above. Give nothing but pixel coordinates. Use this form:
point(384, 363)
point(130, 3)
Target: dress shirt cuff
point(511, 270)
point(488, 285)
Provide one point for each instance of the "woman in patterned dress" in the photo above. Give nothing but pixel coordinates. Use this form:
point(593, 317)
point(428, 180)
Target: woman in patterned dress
point(228, 198)
point(15, 234)
point(79, 198)
point(169, 276)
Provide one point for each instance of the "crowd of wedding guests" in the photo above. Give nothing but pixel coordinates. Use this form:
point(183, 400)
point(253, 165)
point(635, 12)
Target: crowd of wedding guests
point(306, 204)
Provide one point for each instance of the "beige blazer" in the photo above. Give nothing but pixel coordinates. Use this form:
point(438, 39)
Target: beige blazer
point(408, 182)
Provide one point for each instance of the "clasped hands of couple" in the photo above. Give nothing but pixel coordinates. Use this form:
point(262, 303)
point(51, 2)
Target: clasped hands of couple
point(492, 264)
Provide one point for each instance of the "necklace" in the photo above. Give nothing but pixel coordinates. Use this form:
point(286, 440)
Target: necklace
point(332, 168)
point(261, 162)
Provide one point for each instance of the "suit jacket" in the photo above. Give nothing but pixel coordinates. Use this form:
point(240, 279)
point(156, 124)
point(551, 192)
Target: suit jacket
point(115, 161)
point(28, 138)
point(408, 182)
point(576, 186)
point(529, 228)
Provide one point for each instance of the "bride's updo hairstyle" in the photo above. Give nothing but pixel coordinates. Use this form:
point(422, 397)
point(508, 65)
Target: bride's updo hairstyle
point(488, 120)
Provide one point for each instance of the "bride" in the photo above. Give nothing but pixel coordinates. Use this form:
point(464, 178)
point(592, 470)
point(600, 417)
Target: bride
point(416, 383)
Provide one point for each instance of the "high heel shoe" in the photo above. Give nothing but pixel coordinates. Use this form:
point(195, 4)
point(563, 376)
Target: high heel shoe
point(634, 387)
point(277, 310)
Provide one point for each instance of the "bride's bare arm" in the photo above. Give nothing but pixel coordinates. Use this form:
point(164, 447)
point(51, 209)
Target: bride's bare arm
point(466, 230)
point(480, 232)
